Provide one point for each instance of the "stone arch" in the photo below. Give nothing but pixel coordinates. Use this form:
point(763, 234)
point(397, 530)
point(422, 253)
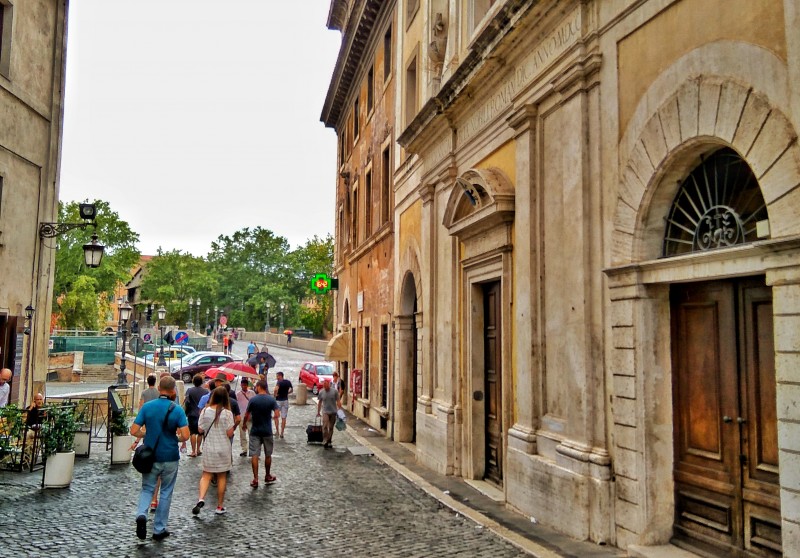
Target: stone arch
point(407, 342)
point(702, 115)
point(481, 199)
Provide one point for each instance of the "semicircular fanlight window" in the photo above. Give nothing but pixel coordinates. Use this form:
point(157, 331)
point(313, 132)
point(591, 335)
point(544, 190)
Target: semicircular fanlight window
point(717, 206)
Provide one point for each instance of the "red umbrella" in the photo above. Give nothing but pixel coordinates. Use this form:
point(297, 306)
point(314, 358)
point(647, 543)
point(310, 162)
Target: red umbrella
point(239, 369)
point(218, 372)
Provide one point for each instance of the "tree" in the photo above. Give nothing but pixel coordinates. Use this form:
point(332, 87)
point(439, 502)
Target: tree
point(119, 258)
point(81, 307)
point(306, 262)
point(171, 278)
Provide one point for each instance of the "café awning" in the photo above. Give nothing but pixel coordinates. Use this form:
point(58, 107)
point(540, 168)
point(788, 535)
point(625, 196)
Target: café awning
point(338, 348)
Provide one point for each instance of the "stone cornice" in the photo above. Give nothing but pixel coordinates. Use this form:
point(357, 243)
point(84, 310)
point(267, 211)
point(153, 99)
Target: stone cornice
point(356, 33)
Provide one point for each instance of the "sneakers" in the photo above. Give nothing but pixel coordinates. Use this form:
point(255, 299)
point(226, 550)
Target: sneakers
point(161, 536)
point(198, 506)
point(243, 454)
point(220, 511)
point(141, 527)
point(269, 479)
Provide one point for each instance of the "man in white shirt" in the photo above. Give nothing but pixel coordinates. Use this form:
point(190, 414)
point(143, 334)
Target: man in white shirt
point(5, 387)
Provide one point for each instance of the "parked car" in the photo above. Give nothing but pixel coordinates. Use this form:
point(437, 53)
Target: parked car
point(190, 359)
point(200, 365)
point(172, 353)
point(312, 374)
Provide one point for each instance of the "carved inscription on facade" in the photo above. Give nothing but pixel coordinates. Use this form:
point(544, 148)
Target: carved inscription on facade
point(438, 152)
point(553, 45)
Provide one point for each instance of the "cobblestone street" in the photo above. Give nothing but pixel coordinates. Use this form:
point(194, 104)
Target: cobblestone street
point(325, 503)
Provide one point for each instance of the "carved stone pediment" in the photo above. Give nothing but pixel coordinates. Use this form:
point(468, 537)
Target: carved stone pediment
point(480, 200)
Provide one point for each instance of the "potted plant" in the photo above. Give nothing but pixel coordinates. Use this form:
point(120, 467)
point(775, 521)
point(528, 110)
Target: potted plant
point(58, 437)
point(121, 440)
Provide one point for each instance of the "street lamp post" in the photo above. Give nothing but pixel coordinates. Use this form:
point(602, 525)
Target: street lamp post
point(189, 323)
point(216, 318)
point(266, 326)
point(197, 304)
point(124, 315)
point(208, 311)
point(162, 313)
point(282, 307)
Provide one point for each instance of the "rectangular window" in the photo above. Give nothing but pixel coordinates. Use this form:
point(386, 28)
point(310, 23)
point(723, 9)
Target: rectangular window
point(341, 149)
point(387, 54)
point(411, 91)
point(386, 186)
point(355, 119)
point(368, 204)
point(366, 363)
point(6, 21)
point(384, 366)
point(370, 90)
point(478, 11)
point(355, 216)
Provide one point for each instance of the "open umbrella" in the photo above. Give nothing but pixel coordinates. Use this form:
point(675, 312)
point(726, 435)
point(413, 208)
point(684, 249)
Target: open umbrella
point(216, 372)
point(264, 354)
point(239, 369)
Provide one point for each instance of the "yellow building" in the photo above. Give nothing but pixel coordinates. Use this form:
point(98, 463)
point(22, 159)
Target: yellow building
point(360, 106)
point(597, 276)
point(32, 63)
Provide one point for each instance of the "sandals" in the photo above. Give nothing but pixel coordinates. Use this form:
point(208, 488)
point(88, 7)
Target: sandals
point(254, 483)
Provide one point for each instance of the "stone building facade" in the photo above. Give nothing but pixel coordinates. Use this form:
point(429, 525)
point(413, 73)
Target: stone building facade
point(32, 63)
point(596, 280)
point(360, 107)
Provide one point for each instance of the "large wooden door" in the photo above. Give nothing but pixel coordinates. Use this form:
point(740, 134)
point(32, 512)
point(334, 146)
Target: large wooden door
point(726, 456)
point(493, 384)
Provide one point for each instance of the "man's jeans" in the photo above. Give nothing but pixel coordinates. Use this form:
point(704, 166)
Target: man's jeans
point(168, 471)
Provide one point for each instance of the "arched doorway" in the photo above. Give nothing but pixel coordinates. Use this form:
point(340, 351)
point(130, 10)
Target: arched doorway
point(680, 311)
point(727, 493)
point(407, 369)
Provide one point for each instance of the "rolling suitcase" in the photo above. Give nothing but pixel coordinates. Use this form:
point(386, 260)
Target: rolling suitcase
point(314, 432)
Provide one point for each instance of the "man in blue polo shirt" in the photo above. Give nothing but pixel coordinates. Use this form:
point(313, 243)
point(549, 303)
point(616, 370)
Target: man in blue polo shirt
point(164, 422)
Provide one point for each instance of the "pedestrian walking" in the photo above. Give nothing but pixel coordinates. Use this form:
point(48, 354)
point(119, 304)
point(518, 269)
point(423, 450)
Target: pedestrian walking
point(217, 426)
point(243, 396)
point(150, 393)
point(283, 388)
point(328, 402)
point(230, 345)
point(162, 424)
point(251, 350)
point(225, 345)
point(261, 410)
point(191, 404)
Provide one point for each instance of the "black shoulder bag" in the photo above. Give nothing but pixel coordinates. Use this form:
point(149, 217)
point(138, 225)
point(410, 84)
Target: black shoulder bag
point(145, 457)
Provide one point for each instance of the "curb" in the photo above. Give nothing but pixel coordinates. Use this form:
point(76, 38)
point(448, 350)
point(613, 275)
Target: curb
point(504, 533)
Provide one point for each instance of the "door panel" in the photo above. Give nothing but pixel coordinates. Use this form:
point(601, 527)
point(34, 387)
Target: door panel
point(726, 476)
point(493, 385)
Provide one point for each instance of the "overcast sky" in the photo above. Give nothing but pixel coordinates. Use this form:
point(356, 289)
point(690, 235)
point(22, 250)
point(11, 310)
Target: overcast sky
point(196, 118)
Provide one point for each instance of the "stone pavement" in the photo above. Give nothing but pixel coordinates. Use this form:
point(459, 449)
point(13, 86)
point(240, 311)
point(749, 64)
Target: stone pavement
point(325, 503)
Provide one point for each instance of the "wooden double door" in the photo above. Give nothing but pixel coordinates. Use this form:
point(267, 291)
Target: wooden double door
point(725, 423)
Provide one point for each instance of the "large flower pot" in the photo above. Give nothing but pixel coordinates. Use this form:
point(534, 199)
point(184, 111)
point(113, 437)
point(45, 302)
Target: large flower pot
point(58, 470)
point(82, 444)
point(121, 449)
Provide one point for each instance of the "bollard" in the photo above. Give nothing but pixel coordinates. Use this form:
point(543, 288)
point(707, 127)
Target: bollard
point(300, 394)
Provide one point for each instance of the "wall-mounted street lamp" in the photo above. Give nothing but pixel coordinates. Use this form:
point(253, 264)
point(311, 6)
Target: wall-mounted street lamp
point(29, 310)
point(92, 252)
point(162, 313)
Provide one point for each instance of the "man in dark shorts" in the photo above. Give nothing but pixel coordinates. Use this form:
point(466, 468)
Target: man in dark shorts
point(190, 404)
point(283, 388)
point(261, 410)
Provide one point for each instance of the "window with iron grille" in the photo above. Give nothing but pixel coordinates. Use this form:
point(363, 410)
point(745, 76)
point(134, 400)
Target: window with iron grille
point(384, 366)
point(366, 363)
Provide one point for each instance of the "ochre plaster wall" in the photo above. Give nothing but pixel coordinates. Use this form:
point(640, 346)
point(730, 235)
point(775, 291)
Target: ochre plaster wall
point(504, 159)
point(686, 25)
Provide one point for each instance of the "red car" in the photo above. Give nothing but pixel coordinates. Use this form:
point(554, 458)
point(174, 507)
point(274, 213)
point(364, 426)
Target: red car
point(312, 374)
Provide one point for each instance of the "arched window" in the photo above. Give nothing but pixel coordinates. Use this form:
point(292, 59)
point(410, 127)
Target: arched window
point(717, 206)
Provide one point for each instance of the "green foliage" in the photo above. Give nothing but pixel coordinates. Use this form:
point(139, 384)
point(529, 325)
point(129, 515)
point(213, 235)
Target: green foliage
point(80, 308)
point(118, 424)
point(119, 258)
point(59, 428)
point(11, 425)
point(173, 277)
